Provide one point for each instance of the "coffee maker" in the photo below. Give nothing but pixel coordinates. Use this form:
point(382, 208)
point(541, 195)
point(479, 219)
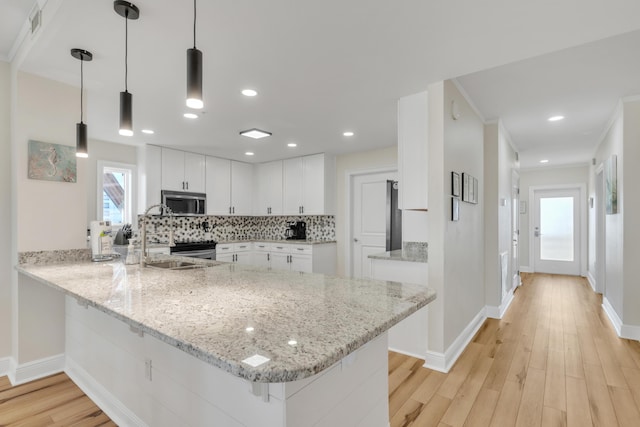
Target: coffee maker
point(297, 230)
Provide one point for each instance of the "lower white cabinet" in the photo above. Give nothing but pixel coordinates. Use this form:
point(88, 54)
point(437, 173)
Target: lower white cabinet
point(306, 258)
point(239, 253)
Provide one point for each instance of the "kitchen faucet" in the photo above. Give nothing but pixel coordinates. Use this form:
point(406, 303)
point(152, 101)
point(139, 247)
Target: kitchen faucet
point(144, 257)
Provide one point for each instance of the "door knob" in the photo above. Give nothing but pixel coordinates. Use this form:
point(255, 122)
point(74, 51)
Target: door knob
point(355, 240)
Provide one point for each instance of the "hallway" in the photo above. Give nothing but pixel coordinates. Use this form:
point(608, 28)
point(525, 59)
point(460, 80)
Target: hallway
point(554, 360)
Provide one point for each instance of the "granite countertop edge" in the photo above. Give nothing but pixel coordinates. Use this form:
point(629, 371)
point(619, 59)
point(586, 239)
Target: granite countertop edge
point(398, 255)
point(233, 367)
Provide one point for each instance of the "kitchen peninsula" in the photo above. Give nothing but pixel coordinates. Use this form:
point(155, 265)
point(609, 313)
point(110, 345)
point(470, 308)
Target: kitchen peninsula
point(227, 344)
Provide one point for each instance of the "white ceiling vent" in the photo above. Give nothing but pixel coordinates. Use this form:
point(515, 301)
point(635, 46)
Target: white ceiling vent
point(35, 18)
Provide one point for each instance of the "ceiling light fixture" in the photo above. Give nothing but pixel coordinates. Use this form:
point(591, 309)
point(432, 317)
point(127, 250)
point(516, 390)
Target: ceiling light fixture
point(127, 11)
point(148, 131)
point(348, 133)
point(249, 153)
point(190, 115)
point(555, 118)
point(194, 71)
point(249, 92)
point(292, 145)
point(81, 128)
point(255, 133)
point(544, 161)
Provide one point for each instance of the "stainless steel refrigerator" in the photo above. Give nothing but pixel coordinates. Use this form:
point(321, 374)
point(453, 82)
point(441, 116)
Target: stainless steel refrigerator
point(394, 218)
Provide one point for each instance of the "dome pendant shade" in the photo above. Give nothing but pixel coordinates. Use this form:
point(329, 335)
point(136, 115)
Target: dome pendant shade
point(194, 78)
point(81, 140)
point(126, 114)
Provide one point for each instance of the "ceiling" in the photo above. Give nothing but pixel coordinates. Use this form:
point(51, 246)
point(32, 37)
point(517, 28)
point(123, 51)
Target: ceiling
point(322, 68)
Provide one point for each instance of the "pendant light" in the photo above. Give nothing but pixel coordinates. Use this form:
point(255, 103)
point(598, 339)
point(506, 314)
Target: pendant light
point(127, 11)
point(81, 128)
point(194, 71)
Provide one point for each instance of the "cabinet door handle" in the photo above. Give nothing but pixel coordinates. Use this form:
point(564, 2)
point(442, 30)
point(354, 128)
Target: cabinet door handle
point(229, 209)
point(301, 207)
point(187, 185)
point(234, 209)
point(301, 249)
point(183, 185)
point(268, 257)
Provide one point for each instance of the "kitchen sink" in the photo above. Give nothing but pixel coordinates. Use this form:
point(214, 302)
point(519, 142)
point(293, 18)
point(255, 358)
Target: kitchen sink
point(175, 265)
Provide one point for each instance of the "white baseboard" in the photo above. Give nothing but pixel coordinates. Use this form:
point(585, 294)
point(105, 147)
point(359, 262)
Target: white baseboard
point(30, 371)
point(592, 281)
point(629, 332)
point(494, 312)
point(103, 398)
point(5, 366)
point(443, 362)
point(407, 353)
point(525, 269)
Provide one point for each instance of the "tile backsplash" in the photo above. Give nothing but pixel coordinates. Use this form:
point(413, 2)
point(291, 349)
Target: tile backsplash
point(225, 228)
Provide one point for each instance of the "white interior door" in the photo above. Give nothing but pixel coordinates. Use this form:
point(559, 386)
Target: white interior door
point(515, 229)
point(556, 231)
point(368, 226)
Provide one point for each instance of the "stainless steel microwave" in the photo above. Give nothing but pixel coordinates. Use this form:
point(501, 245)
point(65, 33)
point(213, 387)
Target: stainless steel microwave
point(183, 203)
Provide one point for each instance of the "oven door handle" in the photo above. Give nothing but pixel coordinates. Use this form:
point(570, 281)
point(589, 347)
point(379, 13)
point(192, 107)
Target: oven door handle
point(207, 253)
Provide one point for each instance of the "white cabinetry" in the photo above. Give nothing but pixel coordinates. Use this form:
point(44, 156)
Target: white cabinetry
point(229, 187)
point(319, 258)
point(269, 184)
point(413, 136)
point(239, 253)
point(308, 184)
point(182, 171)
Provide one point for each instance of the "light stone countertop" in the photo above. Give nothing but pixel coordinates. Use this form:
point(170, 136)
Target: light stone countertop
point(226, 313)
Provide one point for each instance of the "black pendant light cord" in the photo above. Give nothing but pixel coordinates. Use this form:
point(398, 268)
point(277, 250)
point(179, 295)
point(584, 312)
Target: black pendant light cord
point(194, 23)
point(126, 51)
point(81, 86)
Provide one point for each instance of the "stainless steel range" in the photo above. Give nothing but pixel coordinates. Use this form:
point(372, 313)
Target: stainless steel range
point(205, 249)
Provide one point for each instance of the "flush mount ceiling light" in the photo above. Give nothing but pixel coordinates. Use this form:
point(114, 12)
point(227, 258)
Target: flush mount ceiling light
point(249, 92)
point(292, 145)
point(348, 133)
point(148, 131)
point(127, 11)
point(81, 128)
point(255, 133)
point(194, 71)
point(249, 153)
point(190, 115)
point(544, 161)
point(555, 118)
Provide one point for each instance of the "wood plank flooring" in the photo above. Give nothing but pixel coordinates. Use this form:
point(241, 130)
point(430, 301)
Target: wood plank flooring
point(51, 401)
point(554, 360)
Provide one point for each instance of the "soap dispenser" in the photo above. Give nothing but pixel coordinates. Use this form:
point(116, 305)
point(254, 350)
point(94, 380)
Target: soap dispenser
point(131, 254)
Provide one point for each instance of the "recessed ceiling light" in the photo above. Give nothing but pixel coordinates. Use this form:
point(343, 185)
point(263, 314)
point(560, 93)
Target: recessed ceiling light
point(190, 115)
point(255, 133)
point(249, 92)
point(292, 343)
point(349, 133)
point(249, 153)
point(544, 161)
point(555, 118)
point(249, 329)
point(148, 131)
point(292, 145)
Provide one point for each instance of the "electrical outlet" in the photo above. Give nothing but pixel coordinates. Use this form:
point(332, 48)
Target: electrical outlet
point(147, 369)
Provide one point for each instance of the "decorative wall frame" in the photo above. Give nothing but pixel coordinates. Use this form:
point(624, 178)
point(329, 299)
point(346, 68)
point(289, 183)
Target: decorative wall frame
point(455, 209)
point(455, 184)
point(611, 185)
point(52, 162)
point(466, 190)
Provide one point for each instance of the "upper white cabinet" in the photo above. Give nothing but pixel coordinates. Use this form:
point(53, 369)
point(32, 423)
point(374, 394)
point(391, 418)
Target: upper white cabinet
point(308, 184)
point(268, 178)
point(229, 187)
point(182, 171)
point(413, 136)
point(150, 173)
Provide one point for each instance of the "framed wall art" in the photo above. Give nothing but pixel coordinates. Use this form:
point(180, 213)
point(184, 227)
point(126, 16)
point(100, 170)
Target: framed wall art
point(466, 193)
point(455, 184)
point(611, 185)
point(455, 209)
point(51, 162)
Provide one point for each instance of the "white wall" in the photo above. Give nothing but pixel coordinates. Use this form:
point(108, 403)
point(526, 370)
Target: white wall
point(5, 210)
point(385, 158)
point(456, 249)
point(541, 177)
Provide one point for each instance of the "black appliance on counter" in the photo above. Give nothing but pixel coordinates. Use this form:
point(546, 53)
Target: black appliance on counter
point(297, 230)
point(394, 218)
point(205, 249)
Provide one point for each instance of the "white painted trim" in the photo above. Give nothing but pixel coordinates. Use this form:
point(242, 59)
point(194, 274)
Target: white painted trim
point(5, 366)
point(407, 353)
point(629, 332)
point(348, 176)
point(525, 269)
point(592, 281)
point(443, 362)
point(30, 371)
point(102, 397)
point(615, 114)
point(493, 312)
point(467, 98)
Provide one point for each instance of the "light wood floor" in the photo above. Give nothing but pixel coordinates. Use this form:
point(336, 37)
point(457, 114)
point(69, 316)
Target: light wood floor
point(554, 360)
point(51, 401)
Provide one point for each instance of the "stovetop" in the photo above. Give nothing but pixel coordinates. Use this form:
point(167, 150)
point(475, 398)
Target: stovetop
point(194, 246)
